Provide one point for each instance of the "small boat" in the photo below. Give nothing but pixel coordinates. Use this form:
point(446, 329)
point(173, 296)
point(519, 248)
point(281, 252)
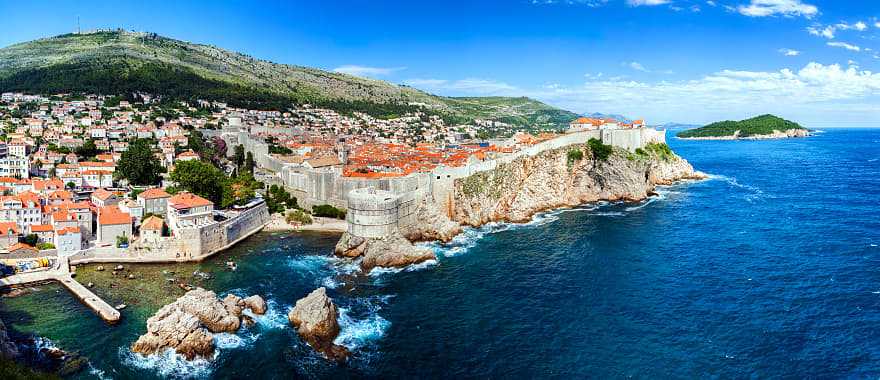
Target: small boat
point(121, 306)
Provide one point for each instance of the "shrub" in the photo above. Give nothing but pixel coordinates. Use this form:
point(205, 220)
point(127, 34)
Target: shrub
point(45, 246)
point(298, 217)
point(600, 151)
point(121, 240)
point(575, 155)
point(328, 211)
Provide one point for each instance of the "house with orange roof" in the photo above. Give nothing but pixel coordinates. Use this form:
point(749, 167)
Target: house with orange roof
point(24, 209)
point(151, 229)
point(45, 232)
point(102, 197)
point(59, 197)
point(68, 240)
point(154, 201)
point(133, 208)
point(189, 209)
point(97, 178)
point(73, 177)
point(112, 223)
point(187, 156)
point(46, 186)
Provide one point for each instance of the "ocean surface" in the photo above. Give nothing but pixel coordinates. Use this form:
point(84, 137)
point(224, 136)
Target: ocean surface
point(769, 269)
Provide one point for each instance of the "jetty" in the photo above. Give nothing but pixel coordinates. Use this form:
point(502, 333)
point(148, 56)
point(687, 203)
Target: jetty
point(61, 274)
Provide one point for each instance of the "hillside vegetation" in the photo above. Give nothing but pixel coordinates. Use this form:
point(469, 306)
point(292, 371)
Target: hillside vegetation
point(760, 125)
point(121, 62)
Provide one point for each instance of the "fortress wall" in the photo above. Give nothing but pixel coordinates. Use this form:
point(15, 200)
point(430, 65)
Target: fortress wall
point(372, 213)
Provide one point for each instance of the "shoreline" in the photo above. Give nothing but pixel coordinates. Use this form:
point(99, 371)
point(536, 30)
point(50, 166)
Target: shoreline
point(319, 224)
point(789, 134)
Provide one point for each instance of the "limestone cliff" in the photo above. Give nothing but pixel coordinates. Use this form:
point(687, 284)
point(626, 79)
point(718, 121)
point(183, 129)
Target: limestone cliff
point(564, 177)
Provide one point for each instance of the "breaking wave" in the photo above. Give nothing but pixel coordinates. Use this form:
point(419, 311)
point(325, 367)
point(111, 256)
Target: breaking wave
point(169, 364)
point(360, 324)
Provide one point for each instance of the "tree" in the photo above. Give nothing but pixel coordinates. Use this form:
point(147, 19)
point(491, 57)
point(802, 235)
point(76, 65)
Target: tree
point(30, 239)
point(200, 178)
point(138, 164)
point(238, 156)
point(88, 149)
point(249, 163)
point(240, 190)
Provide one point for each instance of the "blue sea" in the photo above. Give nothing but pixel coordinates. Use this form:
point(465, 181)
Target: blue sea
point(769, 269)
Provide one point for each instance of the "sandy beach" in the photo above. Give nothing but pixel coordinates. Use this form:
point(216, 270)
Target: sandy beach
point(318, 224)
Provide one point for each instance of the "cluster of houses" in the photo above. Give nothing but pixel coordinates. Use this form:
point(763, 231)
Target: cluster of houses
point(70, 220)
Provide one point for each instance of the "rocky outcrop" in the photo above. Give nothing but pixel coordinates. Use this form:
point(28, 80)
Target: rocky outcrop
point(315, 318)
point(387, 252)
point(8, 348)
point(515, 191)
point(430, 224)
point(187, 324)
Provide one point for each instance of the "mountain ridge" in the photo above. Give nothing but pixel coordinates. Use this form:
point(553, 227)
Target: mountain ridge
point(117, 62)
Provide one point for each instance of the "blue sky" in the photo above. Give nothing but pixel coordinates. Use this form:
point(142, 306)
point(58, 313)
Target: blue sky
point(666, 60)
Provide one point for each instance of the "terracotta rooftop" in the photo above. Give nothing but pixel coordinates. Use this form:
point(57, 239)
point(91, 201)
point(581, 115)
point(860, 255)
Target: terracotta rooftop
point(41, 228)
point(188, 200)
point(112, 215)
point(152, 223)
point(154, 193)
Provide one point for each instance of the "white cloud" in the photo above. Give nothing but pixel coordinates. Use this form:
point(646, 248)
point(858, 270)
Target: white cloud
point(471, 86)
point(365, 71)
point(787, 8)
point(711, 3)
point(845, 45)
point(815, 92)
point(638, 3)
point(789, 52)
point(827, 32)
point(860, 26)
point(636, 66)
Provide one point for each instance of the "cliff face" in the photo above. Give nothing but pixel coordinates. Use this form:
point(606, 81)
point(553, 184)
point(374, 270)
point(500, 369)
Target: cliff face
point(561, 178)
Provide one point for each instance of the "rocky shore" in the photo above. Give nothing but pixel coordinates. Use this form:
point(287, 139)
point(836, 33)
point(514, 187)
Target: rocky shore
point(315, 318)
point(514, 192)
point(791, 133)
point(188, 324)
point(387, 252)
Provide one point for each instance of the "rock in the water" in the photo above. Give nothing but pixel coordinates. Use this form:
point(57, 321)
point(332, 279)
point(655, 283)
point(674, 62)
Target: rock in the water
point(388, 252)
point(186, 325)
point(8, 349)
point(315, 318)
point(256, 304)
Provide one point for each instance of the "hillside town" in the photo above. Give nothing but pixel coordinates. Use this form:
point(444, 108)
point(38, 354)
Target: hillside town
point(63, 191)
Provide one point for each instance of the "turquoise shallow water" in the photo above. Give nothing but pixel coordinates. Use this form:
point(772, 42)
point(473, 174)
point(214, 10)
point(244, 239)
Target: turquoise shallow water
point(769, 269)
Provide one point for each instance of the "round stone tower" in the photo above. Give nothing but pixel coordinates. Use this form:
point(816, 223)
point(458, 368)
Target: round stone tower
point(372, 213)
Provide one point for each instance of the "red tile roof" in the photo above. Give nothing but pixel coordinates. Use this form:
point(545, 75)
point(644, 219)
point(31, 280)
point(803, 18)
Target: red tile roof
point(188, 200)
point(154, 193)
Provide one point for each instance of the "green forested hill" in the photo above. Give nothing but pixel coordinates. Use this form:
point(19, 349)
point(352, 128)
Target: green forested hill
point(119, 62)
point(760, 125)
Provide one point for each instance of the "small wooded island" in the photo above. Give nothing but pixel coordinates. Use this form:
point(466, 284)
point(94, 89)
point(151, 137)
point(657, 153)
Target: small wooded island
point(759, 127)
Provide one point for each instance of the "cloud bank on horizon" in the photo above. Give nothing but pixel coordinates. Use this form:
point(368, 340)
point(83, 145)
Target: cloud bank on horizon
point(817, 92)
